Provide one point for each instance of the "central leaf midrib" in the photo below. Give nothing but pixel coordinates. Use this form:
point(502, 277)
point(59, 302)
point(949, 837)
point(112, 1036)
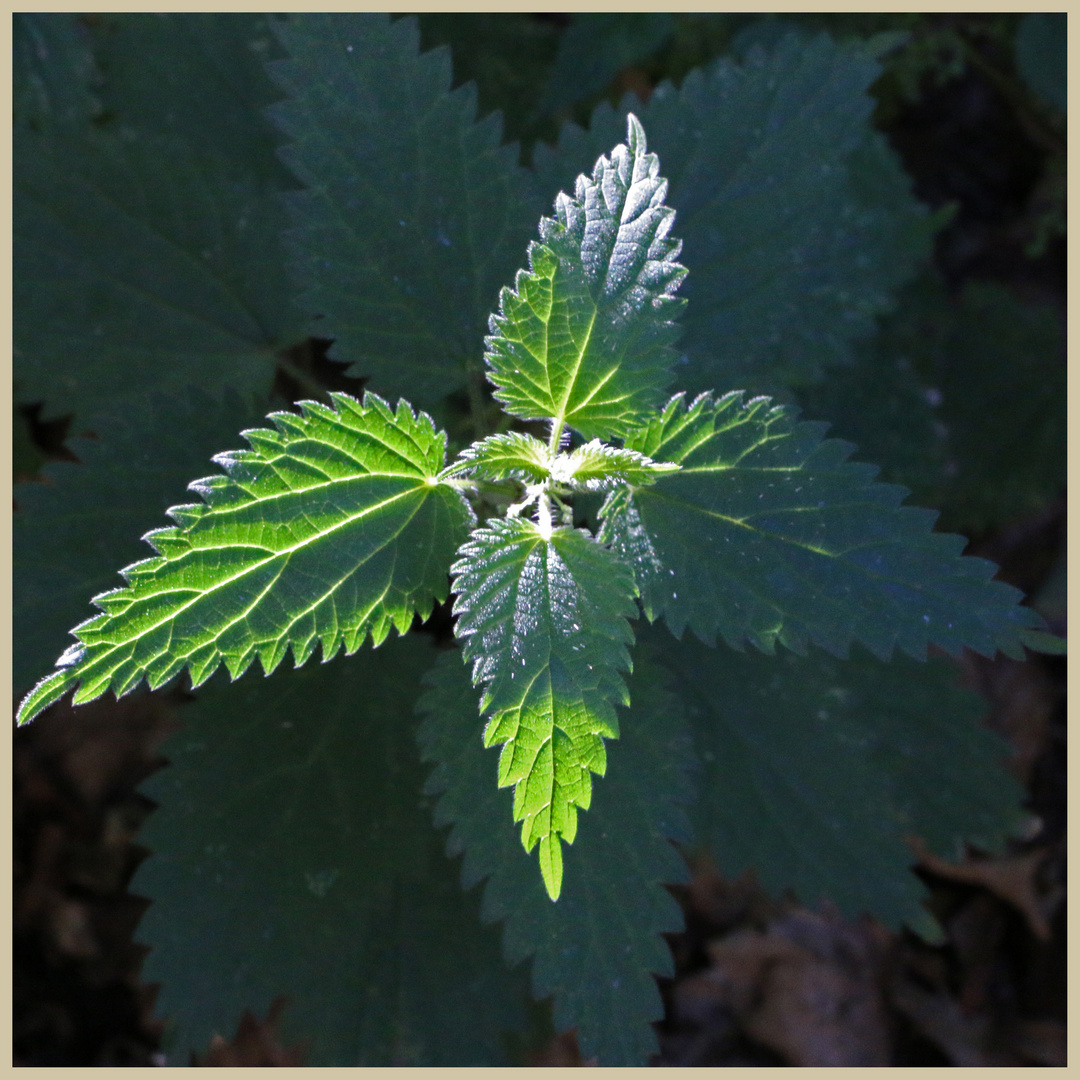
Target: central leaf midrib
point(561, 412)
point(170, 617)
point(655, 492)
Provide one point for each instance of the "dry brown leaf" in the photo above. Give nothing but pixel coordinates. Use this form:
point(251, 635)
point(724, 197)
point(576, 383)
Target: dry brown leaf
point(1024, 699)
point(1012, 878)
point(562, 1052)
point(808, 989)
point(255, 1045)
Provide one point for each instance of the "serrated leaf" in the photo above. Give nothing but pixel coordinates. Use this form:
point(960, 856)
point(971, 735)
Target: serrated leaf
point(141, 265)
point(817, 773)
point(595, 466)
point(544, 621)
point(798, 221)
point(585, 336)
point(511, 454)
point(71, 532)
point(594, 48)
point(769, 534)
point(507, 55)
point(595, 951)
point(413, 216)
point(292, 853)
point(329, 529)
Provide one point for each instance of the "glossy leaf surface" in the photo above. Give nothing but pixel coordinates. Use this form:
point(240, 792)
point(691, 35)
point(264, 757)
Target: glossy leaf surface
point(798, 221)
point(330, 529)
point(585, 336)
point(769, 534)
point(544, 622)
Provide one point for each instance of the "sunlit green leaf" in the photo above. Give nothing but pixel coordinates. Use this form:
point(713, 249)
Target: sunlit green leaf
point(769, 534)
point(293, 854)
point(329, 529)
point(595, 951)
point(71, 533)
point(595, 466)
point(412, 216)
point(585, 336)
point(511, 454)
point(797, 220)
point(543, 619)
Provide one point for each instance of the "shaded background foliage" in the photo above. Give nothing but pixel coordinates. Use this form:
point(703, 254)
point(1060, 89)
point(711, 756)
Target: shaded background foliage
point(958, 391)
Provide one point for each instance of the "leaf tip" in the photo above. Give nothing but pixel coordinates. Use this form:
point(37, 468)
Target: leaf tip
point(551, 864)
point(635, 136)
point(47, 692)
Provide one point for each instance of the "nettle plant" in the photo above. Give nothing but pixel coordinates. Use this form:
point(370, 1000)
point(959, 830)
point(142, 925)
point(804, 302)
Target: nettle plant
point(611, 548)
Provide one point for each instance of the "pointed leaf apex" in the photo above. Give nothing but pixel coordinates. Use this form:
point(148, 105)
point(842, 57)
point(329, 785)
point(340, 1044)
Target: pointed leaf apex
point(585, 336)
point(551, 865)
point(50, 690)
point(340, 513)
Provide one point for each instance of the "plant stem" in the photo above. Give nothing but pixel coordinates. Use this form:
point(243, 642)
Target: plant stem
point(556, 437)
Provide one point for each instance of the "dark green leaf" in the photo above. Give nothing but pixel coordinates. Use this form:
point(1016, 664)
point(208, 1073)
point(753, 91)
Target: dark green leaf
point(798, 221)
point(72, 532)
point(54, 75)
point(585, 336)
point(817, 773)
point(595, 48)
point(413, 215)
point(331, 528)
point(1038, 641)
point(940, 376)
point(198, 76)
point(543, 619)
point(507, 55)
point(141, 265)
point(595, 949)
point(769, 534)
point(293, 854)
